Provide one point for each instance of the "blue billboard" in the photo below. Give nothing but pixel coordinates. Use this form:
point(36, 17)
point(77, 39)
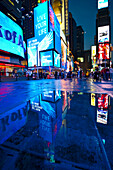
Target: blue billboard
point(46, 58)
point(47, 42)
point(41, 20)
point(56, 59)
point(57, 43)
point(32, 44)
point(11, 36)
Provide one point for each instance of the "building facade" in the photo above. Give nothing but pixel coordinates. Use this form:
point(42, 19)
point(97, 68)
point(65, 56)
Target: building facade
point(103, 34)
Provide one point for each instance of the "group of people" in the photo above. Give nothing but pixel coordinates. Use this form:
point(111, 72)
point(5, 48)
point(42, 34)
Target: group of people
point(105, 74)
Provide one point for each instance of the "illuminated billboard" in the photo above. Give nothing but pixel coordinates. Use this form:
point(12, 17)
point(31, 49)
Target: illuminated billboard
point(93, 99)
point(56, 59)
point(93, 51)
point(102, 4)
point(46, 58)
point(103, 51)
point(41, 20)
point(103, 101)
point(51, 18)
point(32, 44)
point(103, 34)
point(102, 116)
point(64, 55)
point(47, 42)
point(11, 36)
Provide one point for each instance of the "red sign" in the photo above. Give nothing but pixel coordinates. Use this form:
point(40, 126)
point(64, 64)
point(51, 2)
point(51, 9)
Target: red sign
point(103, 101)
point(103, 51)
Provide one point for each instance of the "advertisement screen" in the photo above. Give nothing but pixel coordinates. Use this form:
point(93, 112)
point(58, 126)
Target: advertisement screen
point(51, 18)
point(103, 101)
point(11, 36)
point(93, 99)
point(47, 42)
point(64, 56)
point(48, 96)
point(57, 43)
point(93, 51)
point(102, 116)
point(56, 59)
point(34, 102)
point(102, 4)
point(103, 51)
point(103, 34)
point(46, 58)
point(41, 20)
point(32, 45)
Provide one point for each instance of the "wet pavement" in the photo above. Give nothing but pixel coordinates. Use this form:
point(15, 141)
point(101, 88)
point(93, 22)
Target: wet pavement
point(54, 124)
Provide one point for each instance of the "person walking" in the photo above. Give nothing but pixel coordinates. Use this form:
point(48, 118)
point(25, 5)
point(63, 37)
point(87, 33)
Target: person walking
point(111, 73)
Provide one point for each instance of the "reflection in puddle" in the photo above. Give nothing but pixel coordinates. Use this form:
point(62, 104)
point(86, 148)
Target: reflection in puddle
point(57, 130)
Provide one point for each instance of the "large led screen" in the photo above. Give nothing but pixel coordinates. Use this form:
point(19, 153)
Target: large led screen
point(57, 43)
point(103, 34)
point(64, 55)
point(102, 4)
point(46, 58)
point(93, 51)
point(41, 20)
point(47, 42)
point(103, 51)
point(51, 18)
point(56, 59)
point(32, 45)
point(11, 36)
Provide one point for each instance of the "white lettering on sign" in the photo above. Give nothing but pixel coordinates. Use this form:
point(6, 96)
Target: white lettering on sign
point(41, 25)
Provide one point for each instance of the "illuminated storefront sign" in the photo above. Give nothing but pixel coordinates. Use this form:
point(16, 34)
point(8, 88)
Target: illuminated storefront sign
point(103, 51)
point(103, 34)
point(11, 36)
point(102, 4)
point(46, 58)
point(4, 58)
point(41, 20)
point(56, 59)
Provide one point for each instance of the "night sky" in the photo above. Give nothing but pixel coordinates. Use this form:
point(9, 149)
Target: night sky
point(84, 12)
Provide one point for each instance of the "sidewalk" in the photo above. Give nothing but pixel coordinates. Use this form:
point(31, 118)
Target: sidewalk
point(13, 79)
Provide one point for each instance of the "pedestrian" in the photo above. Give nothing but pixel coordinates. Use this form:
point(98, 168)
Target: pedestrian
point(107, 74)
point(111, 73)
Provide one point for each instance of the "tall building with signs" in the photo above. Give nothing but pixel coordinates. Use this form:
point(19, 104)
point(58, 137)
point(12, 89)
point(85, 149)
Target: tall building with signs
point(61, 9)
point(103, 34)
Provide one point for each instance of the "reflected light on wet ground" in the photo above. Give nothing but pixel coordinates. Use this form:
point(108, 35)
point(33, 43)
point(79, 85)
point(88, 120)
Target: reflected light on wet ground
point(58, 129)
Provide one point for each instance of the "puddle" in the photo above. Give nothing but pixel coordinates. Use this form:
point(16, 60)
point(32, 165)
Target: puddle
point(58, 129)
